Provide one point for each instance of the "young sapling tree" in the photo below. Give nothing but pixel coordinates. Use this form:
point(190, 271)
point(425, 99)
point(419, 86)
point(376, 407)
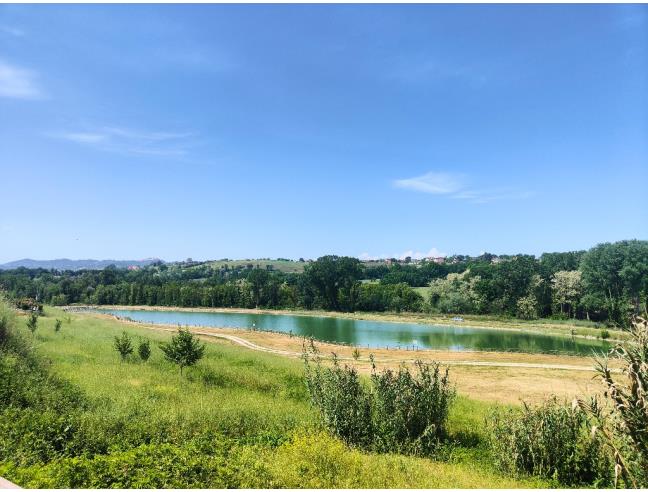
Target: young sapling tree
point(123, 345)
point(32, 322)
point(144, 349)
point(184, 349)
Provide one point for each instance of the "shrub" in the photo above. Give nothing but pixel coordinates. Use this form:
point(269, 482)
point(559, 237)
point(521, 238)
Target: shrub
point(605, 334)
point(623, 421)
point(57, 325)
point(29, 304)
point(147, 466)
point(344, 403)
point(317, 460)
point(144, 349)
point(7, 319)
point(552, 440)
point(356, 354)
point(123, 345)
point(396, 412)
point(410, 411)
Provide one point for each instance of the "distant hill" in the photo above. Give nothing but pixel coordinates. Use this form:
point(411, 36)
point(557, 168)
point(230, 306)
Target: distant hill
point(66, 264)
point(282, 265)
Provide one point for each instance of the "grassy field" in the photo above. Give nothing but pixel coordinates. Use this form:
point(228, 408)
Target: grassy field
point(509, 377)
point(278, 265)
point(238, 419)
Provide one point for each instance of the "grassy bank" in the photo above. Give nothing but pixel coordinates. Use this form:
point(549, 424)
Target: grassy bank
point(238, 419)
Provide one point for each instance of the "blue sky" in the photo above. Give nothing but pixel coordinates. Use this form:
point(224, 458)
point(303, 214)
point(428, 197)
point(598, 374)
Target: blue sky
point(241, 131)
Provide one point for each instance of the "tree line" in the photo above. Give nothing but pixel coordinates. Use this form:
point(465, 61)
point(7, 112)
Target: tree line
point(607, 283)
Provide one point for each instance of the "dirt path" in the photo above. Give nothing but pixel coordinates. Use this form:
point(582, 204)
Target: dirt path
point(253, 346)
point(6, 484)
point(490, 380)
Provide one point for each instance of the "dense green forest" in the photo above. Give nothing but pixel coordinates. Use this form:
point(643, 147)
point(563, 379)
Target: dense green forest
point(607, 283)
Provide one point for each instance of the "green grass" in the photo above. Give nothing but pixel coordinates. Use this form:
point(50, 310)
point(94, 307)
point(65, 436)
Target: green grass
point(424, 292)
point(278, 265)
point(237, 419)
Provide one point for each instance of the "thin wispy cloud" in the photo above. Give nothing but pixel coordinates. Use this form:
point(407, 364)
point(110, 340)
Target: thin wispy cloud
point(454, 186)
point(416, 255)
point(432, 182)
point(428, 68)
point(632, 16)
point(18, 83)
point(11, 30)
point(127, 140)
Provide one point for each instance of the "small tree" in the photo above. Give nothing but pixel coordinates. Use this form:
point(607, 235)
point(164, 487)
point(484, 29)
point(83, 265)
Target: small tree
point(123, 345)
point(356, 353)
point(184, 349)
point(144, 349)
point(32, 322)
point(57, 325)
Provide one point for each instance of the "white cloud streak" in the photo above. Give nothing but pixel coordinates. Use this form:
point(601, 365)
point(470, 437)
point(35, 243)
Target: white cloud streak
point(126, 140)
point(13, 31)
point(416, 255)
point(432, 182)
point(453, 186)
point(18, 83)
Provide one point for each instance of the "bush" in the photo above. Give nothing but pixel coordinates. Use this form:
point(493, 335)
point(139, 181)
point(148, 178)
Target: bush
point(343, 402)
point(147, 466)
point(7, 319)
point(396, 412)
point(410, 411)
point(552, 440)
point(29, 304)
point(623, 421)
point(605, 334)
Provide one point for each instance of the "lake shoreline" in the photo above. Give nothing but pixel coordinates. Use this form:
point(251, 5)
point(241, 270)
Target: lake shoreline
point(537, 329)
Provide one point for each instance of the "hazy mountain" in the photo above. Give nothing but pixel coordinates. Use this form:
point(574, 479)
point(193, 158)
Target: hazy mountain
point(66, 264)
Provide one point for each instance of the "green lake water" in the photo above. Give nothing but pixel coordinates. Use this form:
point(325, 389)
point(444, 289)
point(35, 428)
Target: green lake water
point(374, 334)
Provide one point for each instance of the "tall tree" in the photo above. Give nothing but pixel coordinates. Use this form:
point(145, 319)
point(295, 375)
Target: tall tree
point(567, 290)
point(618, 273)
point(336, 279)
point(258, 280)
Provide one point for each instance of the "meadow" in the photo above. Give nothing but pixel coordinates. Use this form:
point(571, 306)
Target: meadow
point(237, 419)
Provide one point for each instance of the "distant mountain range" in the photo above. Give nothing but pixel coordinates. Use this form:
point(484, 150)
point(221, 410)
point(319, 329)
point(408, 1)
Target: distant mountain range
point(66, 264)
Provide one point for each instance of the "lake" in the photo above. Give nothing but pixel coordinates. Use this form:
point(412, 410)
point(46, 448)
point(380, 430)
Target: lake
point(375, 334)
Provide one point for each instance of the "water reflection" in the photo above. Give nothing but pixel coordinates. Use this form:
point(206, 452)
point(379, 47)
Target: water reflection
point(375, 334)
